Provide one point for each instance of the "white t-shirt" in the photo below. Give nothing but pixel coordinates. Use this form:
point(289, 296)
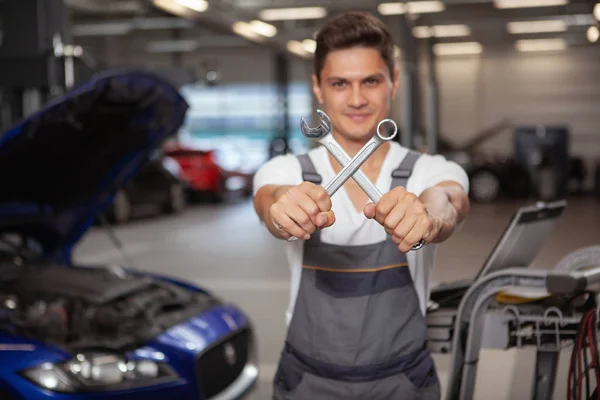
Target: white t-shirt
point(351, 226)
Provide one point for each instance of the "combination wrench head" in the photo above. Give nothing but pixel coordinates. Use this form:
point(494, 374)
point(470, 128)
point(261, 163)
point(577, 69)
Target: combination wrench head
point(319, 132)
point(387, 129)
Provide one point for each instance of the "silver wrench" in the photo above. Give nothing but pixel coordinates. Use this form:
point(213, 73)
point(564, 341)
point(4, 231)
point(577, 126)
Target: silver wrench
point(322, 134)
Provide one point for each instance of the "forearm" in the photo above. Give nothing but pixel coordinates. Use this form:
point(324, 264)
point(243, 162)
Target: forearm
point(447, 203)
point(263, 200)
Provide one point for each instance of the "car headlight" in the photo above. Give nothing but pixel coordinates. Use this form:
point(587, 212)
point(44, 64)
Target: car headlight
point(100, 372)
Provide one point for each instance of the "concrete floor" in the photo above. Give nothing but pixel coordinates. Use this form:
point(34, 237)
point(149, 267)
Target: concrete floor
point(223, 248)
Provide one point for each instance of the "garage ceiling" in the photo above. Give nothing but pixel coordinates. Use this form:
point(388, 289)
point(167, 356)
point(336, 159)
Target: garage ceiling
point(480, 23)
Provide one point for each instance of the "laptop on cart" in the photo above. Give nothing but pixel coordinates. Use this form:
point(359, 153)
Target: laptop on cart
point(518, 246)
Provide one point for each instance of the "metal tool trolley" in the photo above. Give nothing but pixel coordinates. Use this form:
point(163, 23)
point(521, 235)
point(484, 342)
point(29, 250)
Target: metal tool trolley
point(518, 307)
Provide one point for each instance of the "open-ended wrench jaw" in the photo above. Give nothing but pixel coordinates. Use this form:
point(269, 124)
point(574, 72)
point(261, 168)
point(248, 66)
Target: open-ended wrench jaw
point(322, 130)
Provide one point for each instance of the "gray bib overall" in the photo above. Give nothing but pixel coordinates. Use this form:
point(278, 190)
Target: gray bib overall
point(357, 331)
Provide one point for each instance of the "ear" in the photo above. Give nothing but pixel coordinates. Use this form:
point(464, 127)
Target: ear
point(395, 82)
point(317, 89)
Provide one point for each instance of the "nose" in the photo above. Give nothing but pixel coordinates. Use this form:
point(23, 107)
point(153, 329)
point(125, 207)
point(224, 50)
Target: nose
point(357, 97)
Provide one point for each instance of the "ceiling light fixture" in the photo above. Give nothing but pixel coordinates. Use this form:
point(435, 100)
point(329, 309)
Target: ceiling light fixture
point(262, 28)
point(309, 45)
point(412, 7)
point(553, 25)
point(173, 7)
point(593, 34)
point(297, 47)
point(280, 14)
point(441, 31)
point(597, 11)
point(246, 30)
point(196, 5)
point(540, 45)
point(461, 48)
point(528, 3)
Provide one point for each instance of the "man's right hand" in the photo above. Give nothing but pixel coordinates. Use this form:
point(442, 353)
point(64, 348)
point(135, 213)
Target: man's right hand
point(301, 210)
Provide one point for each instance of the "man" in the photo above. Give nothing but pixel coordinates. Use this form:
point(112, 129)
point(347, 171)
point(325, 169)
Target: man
point(356, 326)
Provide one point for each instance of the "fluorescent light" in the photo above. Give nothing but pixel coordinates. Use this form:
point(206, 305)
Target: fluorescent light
point(391, 8)
point(441, 31)
point(309, 45)
point(528, 3)
point(262, 28)
point(423, 7)
point(280, 14)
point(593, 34)
point(541, 44)
point(553, 25)
point(397, 51)
point(597, 11)
point(412, 7)
point(245, 29)
point(196, 5)
point(297, 47)
point(173, 7)
point(448, 49)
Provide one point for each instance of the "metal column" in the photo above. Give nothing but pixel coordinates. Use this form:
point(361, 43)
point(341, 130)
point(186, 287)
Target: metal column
point(412, 110)
point(433, 101)
point(279, 144)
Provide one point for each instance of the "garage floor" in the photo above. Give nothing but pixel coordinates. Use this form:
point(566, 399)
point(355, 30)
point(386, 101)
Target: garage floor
point(223, 248)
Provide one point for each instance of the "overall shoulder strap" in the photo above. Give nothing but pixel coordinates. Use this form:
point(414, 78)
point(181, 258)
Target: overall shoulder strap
point(309, 172)
point(401, 174)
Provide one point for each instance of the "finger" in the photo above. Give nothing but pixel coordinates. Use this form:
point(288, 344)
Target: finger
point(384, 206)
point(305, 202)
point(394, 218)
point(419, 231)
point(320, 196)
point(290, 227)
point(404, 228)
point(302, 219)
point(325, 219)
point(369, 210)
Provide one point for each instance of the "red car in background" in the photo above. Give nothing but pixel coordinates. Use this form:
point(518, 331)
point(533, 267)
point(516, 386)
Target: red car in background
point(204, 175)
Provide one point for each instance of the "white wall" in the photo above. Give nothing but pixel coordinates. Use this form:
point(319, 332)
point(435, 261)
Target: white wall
point(476, 91)
point(527, 88)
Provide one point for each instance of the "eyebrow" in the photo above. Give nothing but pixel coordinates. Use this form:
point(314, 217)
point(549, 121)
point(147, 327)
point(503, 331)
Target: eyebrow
point(378, 75)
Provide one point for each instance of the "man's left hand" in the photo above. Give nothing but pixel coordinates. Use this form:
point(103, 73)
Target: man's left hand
point(405, 218)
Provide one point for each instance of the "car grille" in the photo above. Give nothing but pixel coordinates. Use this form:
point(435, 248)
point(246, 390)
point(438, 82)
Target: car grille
point(221, 365)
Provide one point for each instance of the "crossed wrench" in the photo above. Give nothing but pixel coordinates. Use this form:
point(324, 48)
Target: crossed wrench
point(351, 167)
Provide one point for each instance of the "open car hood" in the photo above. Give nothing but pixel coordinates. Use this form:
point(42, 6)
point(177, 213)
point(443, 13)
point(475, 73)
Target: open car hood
point(62, 166)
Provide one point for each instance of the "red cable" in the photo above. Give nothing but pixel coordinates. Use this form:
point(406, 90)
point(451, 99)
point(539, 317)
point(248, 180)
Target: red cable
point(579, 350)
point(593, 348)
point(573, 361)
point(578, 371)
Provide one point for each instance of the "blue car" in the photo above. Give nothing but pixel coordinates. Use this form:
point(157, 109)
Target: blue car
point(72, 331)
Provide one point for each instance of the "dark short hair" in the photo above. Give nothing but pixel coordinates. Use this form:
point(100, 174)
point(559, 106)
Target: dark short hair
point(350, 29)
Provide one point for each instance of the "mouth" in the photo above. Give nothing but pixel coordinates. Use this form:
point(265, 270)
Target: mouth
point(358, 117)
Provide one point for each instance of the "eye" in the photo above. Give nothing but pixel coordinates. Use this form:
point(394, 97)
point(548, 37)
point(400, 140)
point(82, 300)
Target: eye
point(339, 84)
point(372, 81)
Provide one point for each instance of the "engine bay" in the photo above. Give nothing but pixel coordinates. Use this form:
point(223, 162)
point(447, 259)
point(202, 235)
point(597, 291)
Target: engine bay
point(78, 308)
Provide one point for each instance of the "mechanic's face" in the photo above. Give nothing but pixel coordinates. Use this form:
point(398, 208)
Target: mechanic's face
point(356, 90)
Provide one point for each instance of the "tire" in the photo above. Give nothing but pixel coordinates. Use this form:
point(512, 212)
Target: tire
point(218, 196)
point(177, 199)
point(485, 186)
point(121, 208)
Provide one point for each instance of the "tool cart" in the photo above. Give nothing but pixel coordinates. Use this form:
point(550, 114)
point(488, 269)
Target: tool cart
point(509, 305)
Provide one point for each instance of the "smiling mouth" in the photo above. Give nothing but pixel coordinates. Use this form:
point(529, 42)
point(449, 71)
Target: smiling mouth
point(358, 117)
